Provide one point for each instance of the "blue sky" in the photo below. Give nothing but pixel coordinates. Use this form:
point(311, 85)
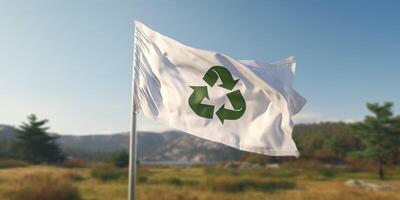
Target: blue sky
point(71, 61)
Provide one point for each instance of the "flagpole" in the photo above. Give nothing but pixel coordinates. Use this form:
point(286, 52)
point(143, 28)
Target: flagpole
point(132, 152)
point(132, 160)
point(133, 134)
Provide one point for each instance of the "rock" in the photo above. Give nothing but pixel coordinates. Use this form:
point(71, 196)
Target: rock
point(231, 165)
point(199, 158)
point(255, 166)
point(245, 165)
point(248, 165)
point(272, 166)
point(367, 185)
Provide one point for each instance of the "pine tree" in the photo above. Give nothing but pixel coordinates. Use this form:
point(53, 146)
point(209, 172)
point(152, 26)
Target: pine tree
point(121, 158)
point(35, 144)
point(379, 134)
point(335, 145)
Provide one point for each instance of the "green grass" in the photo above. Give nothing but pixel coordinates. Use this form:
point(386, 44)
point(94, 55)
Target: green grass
point(12, 163)
point(108, 173)
point(231, 184)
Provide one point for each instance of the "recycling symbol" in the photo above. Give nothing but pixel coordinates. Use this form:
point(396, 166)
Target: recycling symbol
point(235, 97)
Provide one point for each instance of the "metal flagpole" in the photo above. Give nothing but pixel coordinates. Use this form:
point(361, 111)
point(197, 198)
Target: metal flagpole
point(132, 151)
point(132, 159)
point(133, 136)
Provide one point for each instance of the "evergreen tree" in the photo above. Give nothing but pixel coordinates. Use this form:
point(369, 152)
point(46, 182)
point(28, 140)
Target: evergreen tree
point(121, 158)
point(35, 144)
point(335, 145)
point(6, 149)
point(379, 134)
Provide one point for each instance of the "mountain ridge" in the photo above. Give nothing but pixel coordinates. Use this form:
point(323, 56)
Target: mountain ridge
point(152, 146)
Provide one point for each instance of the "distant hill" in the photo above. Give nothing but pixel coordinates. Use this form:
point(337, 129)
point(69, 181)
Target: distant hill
point(311, 140)
point(7, 132)
point(166, 146)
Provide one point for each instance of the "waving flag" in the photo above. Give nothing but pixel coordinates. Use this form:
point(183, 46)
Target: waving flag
point(244, 104)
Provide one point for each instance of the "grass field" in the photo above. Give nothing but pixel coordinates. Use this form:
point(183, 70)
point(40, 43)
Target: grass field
point(205, 183)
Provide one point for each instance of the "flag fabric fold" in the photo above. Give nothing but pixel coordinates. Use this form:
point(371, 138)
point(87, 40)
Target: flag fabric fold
point(245, 104)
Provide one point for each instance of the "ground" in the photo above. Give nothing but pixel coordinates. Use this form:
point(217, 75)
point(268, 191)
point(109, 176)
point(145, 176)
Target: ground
point(210, 183)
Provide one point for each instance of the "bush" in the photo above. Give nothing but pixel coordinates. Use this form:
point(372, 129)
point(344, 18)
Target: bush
point(44, 187)
point(73, 176)
point(174, 181)
point(108, 173)
point(12, 163)
point(362, 164)
point(75, 163)
point(328, 173)
point(142, 179)
point(121, 158)
point(228, 184)
point(302, 164)
point(278, 173)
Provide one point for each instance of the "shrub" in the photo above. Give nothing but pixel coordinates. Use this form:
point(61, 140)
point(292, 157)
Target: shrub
point(108, 173)
point(228, 184)
point(12, 163)
point(142, 179)
point(278, 173)
point(121, 158)
point(174, 181)
point(44, 187)
point(75, 163)
point(302, 164)
point(328, 173)
point(362, 164)
point(73, 176)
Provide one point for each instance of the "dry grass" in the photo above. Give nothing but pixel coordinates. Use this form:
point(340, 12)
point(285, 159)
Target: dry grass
point(76, 163)
point(44, 186)
point(108, 173)
point(196, 183)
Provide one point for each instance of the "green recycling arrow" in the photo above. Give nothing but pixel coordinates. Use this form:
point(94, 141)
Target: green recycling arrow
point(203, 110)
point(214, 72)
point(235, 97)
point(238, 103)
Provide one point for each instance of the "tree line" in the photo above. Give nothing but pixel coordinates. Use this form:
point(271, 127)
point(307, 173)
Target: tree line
point(377, 137)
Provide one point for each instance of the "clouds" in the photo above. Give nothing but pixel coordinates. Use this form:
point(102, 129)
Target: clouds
point(307, 117)
point(315, 117)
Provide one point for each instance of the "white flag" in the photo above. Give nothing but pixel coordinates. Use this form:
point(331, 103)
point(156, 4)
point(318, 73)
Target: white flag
point(244, 104)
